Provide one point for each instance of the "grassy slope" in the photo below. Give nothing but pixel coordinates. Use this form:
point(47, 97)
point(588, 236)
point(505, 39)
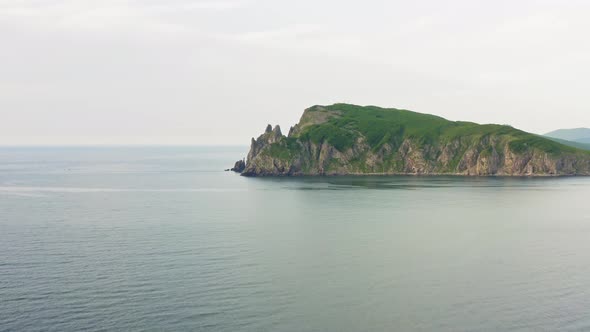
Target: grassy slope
point(380, 126)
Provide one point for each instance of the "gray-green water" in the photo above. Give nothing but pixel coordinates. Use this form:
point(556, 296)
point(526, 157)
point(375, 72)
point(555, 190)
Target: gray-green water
point(162, 239)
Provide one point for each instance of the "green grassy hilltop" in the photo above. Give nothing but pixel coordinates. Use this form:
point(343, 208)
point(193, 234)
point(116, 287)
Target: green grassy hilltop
point(390, 125)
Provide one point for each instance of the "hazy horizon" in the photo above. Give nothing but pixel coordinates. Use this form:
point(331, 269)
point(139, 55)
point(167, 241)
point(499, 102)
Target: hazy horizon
point(216, 72)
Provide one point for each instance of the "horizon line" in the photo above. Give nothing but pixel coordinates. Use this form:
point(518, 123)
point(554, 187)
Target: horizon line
point(36, 145)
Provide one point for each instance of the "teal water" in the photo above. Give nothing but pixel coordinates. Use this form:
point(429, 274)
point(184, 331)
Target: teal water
point(160, 238)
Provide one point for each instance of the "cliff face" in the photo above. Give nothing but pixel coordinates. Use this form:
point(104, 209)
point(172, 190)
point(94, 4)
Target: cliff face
point(347, 139)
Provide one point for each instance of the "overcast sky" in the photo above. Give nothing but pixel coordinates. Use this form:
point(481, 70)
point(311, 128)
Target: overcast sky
point(217, 71)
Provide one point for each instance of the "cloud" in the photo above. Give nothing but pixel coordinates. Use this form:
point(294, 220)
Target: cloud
point(110, 14)
point(279, 34)
point(94, 67)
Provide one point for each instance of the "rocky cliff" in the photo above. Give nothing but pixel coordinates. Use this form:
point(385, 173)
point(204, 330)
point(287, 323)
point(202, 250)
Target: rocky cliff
point(347, 139)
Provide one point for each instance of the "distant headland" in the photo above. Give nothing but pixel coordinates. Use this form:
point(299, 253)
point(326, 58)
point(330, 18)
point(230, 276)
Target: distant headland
point(344, 139)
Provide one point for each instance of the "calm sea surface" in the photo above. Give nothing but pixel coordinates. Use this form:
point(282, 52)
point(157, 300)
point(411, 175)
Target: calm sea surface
point(160, 238)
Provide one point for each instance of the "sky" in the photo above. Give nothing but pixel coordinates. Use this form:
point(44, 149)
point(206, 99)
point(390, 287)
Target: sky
point(215, 72)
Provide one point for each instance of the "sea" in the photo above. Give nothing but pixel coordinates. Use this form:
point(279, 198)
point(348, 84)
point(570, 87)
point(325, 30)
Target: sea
point(163, 239)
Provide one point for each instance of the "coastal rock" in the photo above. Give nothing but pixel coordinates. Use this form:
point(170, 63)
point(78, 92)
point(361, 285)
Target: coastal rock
point(239, 166)
point(347, 139)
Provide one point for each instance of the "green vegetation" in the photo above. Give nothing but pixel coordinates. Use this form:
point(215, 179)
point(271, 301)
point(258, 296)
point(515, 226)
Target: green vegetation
point(524, 142)
point(391, 126)
point(285, 149)
point(340, 138)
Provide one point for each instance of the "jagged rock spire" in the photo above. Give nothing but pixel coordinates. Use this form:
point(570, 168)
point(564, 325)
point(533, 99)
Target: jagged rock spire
point(277, 130)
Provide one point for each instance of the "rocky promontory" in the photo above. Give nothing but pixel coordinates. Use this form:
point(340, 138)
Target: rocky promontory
point(345, 139)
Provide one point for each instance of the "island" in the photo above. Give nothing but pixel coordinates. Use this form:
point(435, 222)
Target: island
point(344, 139)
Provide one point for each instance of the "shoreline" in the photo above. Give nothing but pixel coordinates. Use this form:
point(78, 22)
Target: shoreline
point(415, 175)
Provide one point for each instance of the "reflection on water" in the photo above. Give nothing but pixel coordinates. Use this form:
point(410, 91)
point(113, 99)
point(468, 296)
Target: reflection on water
point(404, 182)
